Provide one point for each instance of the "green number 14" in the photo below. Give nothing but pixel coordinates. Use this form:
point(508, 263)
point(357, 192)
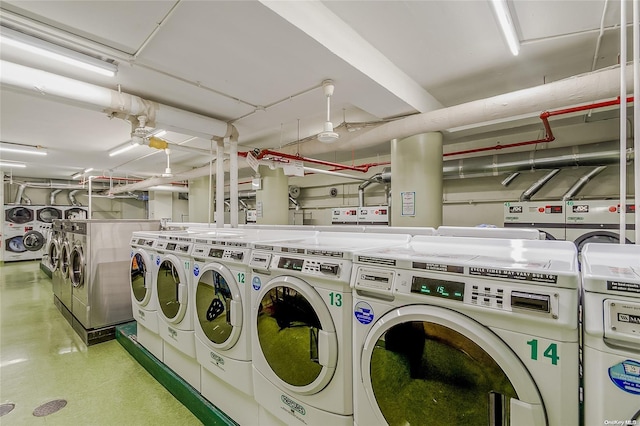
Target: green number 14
point(551, 352)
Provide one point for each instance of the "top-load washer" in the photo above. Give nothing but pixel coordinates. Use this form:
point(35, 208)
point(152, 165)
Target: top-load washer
point(222, 284)
point(301, 325)
point(597, 221)
point(486, 232)
point(545, 216)
point(611, 334)
point(451, 330)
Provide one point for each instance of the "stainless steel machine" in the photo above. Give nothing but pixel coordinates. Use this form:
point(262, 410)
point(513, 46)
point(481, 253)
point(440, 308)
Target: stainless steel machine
point(99, 274)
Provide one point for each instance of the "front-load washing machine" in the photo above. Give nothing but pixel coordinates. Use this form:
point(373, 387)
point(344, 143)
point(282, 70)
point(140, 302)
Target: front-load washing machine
point(13, 244)
point(597, 221)
point(222, 284)
point(301, 325)
point(545, 216)
point(451, 330)
point(54, 256)
point(47, 214)
point(611, 334)
point(65, 254)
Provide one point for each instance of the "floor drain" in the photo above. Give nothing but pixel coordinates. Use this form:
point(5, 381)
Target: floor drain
point(6, 408)
point(49, 407)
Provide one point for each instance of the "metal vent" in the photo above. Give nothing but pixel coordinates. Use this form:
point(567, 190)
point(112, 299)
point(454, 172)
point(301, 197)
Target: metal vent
point(377, 260)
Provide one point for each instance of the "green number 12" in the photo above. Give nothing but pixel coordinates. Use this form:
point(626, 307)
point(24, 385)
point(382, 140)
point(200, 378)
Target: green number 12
point(240, 278)
point(551, 352)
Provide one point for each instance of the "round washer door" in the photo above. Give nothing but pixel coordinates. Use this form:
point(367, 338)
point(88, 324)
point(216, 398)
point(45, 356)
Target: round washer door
point(34, 240)
point(15, 244)
point(65, 253)
point(48, 214)
point(76, 266)
point(430, 365)
point(218, 305)
point(54, 254)
point(140, 278)
point(296, 335)
point(172, 288)
point(18, 215)
point(604, 237)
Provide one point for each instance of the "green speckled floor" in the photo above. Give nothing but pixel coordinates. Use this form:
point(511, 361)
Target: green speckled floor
point(42, 359)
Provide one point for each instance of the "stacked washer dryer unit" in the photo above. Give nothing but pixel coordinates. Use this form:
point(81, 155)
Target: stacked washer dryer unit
point(222, 285)
point(545, 216)
point(597, 221)
point(451, 330)
point(301, 325)
point(611, 334)
point(18, 220)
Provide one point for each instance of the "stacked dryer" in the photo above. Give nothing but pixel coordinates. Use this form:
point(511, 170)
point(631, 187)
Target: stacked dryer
point(598, 221)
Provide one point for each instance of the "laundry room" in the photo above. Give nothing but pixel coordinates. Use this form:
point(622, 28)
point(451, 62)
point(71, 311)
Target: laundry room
point(320, 212)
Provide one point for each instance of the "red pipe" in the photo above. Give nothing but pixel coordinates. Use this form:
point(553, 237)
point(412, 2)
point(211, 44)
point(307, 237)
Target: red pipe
point(337, 166)
point(545, 121)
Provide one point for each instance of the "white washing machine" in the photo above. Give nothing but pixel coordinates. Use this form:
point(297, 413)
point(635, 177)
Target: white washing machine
point(481, 232)
point(545, 216)
point(451, 330)
point(611, 334)
point(597, 221)
point(301, 331)
point(222, 285)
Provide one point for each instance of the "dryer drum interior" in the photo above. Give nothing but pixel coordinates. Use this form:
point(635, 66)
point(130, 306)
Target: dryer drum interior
point(15, 244)
point(168, 286)
point(54, 255)
point(288, 328)
point(33, 240)
point(139, 285)
point(19, 215)
point(48, 214)
point(427, 373)
point(76, 265)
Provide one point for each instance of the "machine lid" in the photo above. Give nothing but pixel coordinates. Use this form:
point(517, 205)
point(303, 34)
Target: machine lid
point(611, 268)
point(172, 287)
point(218, 304)
point(33, 240)
point(76, 267)
point(429, 365)
point(49, 214)
point(140, 277)
point(15, 244)
point(296, 335)
point(18, 215)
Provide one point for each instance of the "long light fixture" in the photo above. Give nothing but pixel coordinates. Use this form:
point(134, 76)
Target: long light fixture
point(58, 53)
point(84, 172)
point(123, 149)
point(506, 25)
point(23, 150)
point(11, 164)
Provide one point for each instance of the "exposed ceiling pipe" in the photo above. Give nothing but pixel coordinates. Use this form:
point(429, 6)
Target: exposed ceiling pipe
point(52, 196)
point(114, 103)
point(382, 177)
point(507, 181)
point(295, 203)
point(21, 196)
point(577, 187)
point(537, 186)
point(72, 197)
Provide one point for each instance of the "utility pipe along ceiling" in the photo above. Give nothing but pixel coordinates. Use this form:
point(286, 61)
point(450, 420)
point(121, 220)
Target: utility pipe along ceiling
point(466, 84)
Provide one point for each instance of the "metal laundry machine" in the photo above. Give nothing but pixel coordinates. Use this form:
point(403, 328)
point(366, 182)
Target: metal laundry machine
point(99, 274)
point(611, 334)
point(545, 216)
point(301, 325)
point(597, 221)
point(453, 330)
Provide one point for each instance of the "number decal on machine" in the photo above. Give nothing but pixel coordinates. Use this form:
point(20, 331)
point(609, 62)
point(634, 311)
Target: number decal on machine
point(336, 299)
point(551, 352)
point(240, 278)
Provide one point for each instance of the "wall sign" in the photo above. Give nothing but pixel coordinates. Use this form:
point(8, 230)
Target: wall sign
point(408, 203)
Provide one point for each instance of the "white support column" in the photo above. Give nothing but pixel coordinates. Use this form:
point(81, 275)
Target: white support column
point(416, 180)
point(272, 201)
point(220, 184)
point(233, 180)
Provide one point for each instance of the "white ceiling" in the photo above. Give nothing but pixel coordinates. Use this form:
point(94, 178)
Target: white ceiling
point(230, 59)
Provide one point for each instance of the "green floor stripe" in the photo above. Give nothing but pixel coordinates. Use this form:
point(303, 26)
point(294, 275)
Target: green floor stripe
point(206, 412)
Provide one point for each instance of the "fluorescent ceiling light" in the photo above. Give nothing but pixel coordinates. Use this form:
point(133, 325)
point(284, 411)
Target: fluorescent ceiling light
point(90, 169)
point(123, 149)
point(506, 25)
point(160, 133)
point(7, 164)
point(85, 171)
point(58, 53)
point(23, 151)
point(77, 175)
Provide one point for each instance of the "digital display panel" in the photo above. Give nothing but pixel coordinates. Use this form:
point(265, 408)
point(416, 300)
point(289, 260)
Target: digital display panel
point(515, 209)
point(215, 252)
point(553, 209)
point(438, 288)
point(289, 263)
point(171, 246)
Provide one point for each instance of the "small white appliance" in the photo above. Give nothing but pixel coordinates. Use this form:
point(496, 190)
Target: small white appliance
point(452, 330)
point(545, 216)
point(597, 221)
point(222, 284)
point(301, 325)
point(611, 334)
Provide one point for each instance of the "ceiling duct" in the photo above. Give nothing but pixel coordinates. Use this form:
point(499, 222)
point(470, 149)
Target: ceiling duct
point(577, 187)
point(52, 196)
point(537, 186)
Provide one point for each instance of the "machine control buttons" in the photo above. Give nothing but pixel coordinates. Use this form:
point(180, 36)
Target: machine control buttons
point(330, 268)
point(488, 296)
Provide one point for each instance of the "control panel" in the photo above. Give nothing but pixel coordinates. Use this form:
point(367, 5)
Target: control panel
point(260, 260)
point(622, 322)
point(209, 252)
point(180, 248)
point(308, 266)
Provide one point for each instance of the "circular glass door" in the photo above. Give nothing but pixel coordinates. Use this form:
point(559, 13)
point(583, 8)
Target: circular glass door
point(54, 254)
point(296, 334)
point(429, 365)
point(64, 259)
point(15, 244)
point(48, 214)
point(19, 215)
point(33, 240)
point(218, 306)
point(171, 285)
point(76, 267)
point(140, 279)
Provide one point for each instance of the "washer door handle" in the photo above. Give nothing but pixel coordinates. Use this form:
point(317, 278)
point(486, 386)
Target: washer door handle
point(327, 349)
point(147, 279)
point(182, 293)
point(235, 313)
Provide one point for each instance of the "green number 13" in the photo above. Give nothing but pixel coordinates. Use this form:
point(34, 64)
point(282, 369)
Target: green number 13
point(336, 299)
point(551, 352)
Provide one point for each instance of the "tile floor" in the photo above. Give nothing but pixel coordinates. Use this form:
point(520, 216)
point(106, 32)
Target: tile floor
point(42, 359)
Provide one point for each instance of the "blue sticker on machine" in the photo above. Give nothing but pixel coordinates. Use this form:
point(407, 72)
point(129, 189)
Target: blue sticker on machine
point(158, 261)
point(363, 312)
point(256, 283)
point(626, 376)
point(196, 270)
